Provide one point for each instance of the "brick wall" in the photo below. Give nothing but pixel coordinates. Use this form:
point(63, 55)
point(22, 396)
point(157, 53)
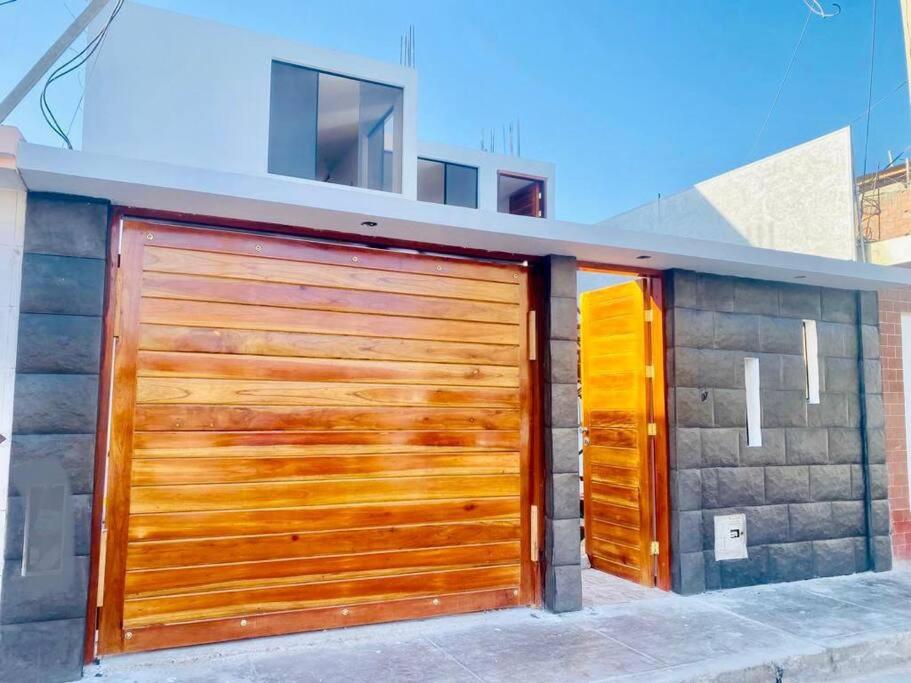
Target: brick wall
point(894, 217)
point(815, 491)
point(892, 305)
point(42, 615)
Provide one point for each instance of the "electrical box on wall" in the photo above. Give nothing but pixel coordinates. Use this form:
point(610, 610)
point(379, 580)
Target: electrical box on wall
point(731, 537)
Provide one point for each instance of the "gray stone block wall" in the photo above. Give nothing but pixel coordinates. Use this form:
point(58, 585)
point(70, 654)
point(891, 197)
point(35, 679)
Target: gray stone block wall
point(562, 541)
point(814, 493)
point(42, 616)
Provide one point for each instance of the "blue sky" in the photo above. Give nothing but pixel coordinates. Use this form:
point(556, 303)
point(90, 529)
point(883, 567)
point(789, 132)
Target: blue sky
point(628, 97)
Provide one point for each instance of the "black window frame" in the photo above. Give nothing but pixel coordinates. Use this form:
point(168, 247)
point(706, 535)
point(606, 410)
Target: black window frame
point(446, 165)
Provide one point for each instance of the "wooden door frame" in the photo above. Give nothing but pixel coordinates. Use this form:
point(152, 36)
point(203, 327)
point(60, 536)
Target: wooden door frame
point(654, 292)
point(532, 581)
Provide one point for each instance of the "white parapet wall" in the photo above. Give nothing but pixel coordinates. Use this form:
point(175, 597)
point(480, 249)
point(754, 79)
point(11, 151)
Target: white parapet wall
point(12, 226)
point(800, 200)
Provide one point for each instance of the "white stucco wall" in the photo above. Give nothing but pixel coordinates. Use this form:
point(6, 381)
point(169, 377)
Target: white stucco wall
point(800, 200)
point(12, 227)
point(192, 92)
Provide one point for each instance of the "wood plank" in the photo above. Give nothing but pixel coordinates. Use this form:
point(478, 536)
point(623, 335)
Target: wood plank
point(616, 495)
point(227, 550)
point(621, 476)
point(224, 290)
point(270, 343)
point(621, 554)
point(189, 497)
point(173, 471)
point(394, 440)
point(264, 269)
point(205, 365)
point(213, 605)
point(615, 438)
point(170, 448)
point(183, 390)
point(242, 316)
point(615, 514)
point(304, 249)
point(177, 525)
point(333, 418)
point(320, 618)
point(160, 582)
point(616, 533)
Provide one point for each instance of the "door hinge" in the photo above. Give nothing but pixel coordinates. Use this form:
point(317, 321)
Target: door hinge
point(652, 429)
point(648, 315)
point(532, 335)
point(650, 371)
point(653, 548)
point(534, 533)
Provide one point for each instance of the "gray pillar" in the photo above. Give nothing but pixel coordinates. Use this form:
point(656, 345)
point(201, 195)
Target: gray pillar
point(873, 424)
point(563, 577)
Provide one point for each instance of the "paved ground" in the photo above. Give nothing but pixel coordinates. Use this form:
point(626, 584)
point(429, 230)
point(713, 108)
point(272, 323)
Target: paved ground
point(840, 629)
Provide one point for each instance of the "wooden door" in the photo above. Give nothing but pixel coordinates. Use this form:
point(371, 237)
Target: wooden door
point(307, 435)
point(617, 471)
point(528, 201)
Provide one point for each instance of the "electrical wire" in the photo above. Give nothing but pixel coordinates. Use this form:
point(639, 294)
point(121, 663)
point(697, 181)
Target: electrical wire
point(870, 87)
point(878, 102)
point(781, 83)
point(68, 67)
point(816, 8)
point(7, 2)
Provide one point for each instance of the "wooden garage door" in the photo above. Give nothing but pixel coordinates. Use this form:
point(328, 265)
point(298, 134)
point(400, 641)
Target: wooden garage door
point(306, 435)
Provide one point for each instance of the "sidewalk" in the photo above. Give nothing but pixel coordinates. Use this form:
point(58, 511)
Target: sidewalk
point(819, 630)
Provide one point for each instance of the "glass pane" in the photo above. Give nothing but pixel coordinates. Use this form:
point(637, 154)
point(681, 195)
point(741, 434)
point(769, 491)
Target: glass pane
point(430, 181)
point(462, 186)
point(292, 121)
point(378, 105)
point(337, 130)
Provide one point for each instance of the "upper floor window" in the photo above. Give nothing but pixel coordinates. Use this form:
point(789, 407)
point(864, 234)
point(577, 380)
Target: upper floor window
point(520, 195)
point(335, 129)
point(446, 183)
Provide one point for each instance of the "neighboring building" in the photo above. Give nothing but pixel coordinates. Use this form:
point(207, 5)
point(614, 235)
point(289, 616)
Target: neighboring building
point(271, 364)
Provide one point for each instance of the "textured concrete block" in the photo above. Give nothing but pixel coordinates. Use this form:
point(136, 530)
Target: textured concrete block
point(75, 453)
point(793, 373)
point(689, 578)
point(858, 482)
point(561, 363)
point(844, 446)
point(870, 341)
point(562, 270)
point(694, 407)
point(810, 521)
point(734, 486)
point(873, 376)
point(765, 524)
point(841, 375)
point(831, 411)
point(720, 447)
point(789, 484)
point(562, 541)
point(848, 519)
point(780, 335)
point(879, 482)
point(686, 490)
point(784, 409)
point(693, 328)
point(686, 448)
point(687, 368)
point(561, 405)
point(833, 339)
point(563, 588)
point(834, 557)
point(561, 450)
point(720, 369)
point(882, 554)
point(563, 319)
point(875, 440)
point(830, 482)
point(755, 296)
point(688, 528)
point(59, 344)
point(869, 307)
point(730, 407)
point(839, 306)
point(42, 652)
point(81, 515)
point(44, 597)
point(748, 572)
point(562, 496)
point(66, 226)
point(736, 331)
point(703, 291)
point(879, 519)
point(875, 411)
point(790, 562)
point(772, 451)
point(62, 284)
point(807, 446)
point(55, 404)
point(800, 301)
